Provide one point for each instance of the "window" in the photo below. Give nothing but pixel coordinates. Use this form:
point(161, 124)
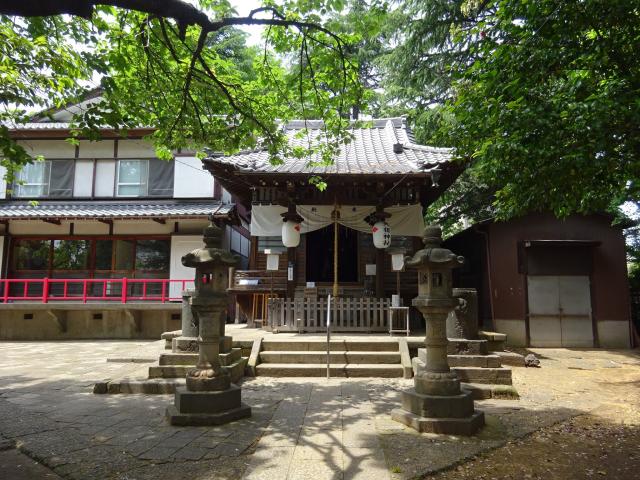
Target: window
point(33, 180)
point(31, 254)
point(141, 178)
point(104, 254)
point(48, 178)
point(132, 178)
point(90, 257)
point(124, 254)
point(70, 254)
point(152, 255)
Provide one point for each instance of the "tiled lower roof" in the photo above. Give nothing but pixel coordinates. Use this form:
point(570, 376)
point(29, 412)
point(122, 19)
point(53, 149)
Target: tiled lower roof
point(114, 210)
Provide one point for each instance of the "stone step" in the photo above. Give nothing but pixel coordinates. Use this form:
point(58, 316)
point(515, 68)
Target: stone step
point(236, 370)
point(192, 358)
point(481, 391)
point(306, 357)
point(337, 370)
point(484, 361)
point(335, 345)
point(147, 386)
point(497, 376)
point(457, 346)
point(512, 359)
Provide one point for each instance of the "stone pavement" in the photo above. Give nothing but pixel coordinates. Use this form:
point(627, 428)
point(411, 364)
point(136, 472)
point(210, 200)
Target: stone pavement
point(300, 428)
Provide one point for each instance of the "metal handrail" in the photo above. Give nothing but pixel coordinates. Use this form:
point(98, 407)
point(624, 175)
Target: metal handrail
point(45, 290)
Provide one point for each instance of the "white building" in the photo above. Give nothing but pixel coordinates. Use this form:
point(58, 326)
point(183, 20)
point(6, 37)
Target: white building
point(92, 236)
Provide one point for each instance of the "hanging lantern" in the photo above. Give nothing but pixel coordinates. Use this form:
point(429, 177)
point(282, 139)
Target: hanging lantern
point(290, 233)
point(381, 234)
point(291, 227)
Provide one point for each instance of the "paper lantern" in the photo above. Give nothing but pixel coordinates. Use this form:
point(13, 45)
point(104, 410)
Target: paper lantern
point(381, 234)
point(290, 233)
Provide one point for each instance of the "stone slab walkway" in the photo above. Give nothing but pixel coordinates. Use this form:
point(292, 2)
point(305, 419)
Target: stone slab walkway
point(300, 428)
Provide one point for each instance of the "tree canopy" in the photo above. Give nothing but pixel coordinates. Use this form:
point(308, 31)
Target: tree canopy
point(179, 68)
point(541, 97)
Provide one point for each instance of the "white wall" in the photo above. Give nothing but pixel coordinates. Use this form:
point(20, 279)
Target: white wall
point(88, 227)
point(141, 227)
point(2, 241)
point(49, 148)
point(181, 245)
point(135, 149)
point(190, 180)
point(226, 196)
point(105, 178)
point(83, 178)
point(99, 149)
point(38, 227)
point(3, 182)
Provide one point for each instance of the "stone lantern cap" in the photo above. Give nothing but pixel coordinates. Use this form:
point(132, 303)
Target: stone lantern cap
point(212, 254)
point(433, 255)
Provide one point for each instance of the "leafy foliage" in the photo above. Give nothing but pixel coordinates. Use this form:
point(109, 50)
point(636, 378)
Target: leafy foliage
point(183, 70)
point(542, 96)
point(633, 256)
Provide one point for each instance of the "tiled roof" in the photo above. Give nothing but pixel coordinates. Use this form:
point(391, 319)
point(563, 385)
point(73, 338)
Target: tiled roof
point(113, 210)
point(387, 147)
point(40, 126)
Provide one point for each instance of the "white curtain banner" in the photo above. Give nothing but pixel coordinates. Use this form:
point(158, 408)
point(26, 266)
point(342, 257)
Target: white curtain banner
point(405, 220)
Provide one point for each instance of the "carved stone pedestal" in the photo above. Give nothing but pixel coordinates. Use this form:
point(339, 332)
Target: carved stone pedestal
point(207, 408)
point(437, 404)
point(453, 415)
point(209, 397)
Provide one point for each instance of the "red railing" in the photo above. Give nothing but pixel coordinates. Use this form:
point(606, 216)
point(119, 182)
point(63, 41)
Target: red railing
point(123, 290)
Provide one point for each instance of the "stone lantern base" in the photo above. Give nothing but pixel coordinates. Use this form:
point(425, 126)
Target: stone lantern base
point(200, 408)
point(451, 414)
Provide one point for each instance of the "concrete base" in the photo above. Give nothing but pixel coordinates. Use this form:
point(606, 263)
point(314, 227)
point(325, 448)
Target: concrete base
point(184, 345)
point(451, 426)
point(450, 414)
point(207, 408)
point(190, 344)
point(168, 338)
point(205, 419)
point(462, 346)
point(452, 406)
point(481, 391)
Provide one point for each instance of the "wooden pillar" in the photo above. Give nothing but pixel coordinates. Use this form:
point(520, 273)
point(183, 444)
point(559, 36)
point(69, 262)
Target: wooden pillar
point(291, 262)
point(380, 253)
point(253, 253)
point(380, 273)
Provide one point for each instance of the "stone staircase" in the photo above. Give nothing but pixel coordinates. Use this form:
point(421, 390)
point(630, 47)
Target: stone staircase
point(483, 374)
point(171, 370)
point(348, 358)
point(176, 365)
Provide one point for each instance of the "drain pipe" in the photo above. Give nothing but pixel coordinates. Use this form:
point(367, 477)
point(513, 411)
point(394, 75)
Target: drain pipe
point(328, 335)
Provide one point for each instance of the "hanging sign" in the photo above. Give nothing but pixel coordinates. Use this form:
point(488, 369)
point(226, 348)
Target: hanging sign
point(370, 269)
point(397, 262)
point(272, 261)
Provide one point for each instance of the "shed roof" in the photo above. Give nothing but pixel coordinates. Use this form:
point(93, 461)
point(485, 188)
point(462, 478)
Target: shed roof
point(386, 147)
point(94, 210)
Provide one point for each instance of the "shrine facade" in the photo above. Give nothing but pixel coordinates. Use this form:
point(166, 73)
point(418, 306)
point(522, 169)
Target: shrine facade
point(308, 242)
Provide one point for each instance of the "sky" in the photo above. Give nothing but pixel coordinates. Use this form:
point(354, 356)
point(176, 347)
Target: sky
point(243, 8)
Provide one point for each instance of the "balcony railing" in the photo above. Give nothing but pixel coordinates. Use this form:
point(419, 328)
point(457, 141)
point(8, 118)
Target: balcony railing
point(256, 281)
point(122, 290)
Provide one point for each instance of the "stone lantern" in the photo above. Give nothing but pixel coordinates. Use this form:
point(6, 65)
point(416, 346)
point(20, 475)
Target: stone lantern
point(436, 404)
point(209, 398)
